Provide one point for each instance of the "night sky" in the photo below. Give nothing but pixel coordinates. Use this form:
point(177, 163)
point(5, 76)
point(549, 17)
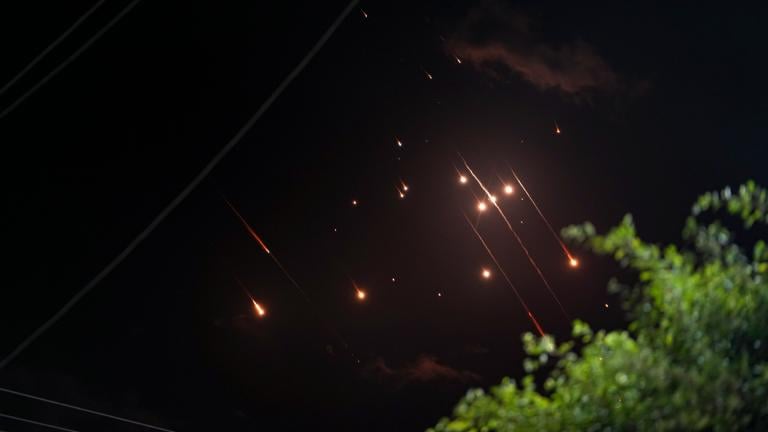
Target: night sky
point(655, 105)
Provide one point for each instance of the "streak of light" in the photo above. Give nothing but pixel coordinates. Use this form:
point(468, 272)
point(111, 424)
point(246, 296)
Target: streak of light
point(458, 60)
point(492, 198)
point(557, 129)
point(429, 75)
point(573, 262)
point(188, 189)
point(399, 143)
point(248, 227)
point(400, 192)
point(606, 305)
point(360, 294)
point(536, 323)
point(297, 286)
point(519, 240)
point(362, 12)
point(503, 273)
point(259, 309)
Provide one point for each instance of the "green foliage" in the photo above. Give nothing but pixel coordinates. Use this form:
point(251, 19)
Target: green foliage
point(693, 357)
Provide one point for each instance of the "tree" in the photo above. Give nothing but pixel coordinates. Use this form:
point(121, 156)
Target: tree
point(693, 356)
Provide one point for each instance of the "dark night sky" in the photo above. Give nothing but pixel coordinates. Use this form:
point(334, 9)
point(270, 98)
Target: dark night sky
point(170, 338)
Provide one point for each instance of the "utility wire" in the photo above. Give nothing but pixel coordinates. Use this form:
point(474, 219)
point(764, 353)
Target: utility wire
point(86, 410)
point(37, 423)
point(185, 192)
point(52, 45)
point(69, 59)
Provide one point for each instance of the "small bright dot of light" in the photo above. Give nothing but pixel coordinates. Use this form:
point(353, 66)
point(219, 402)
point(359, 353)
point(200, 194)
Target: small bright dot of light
point(486, 273)
point(573, 262)
point(360, 295)
point(481, 206)
point(508, 190)
point(354, 202)
point(462, 179)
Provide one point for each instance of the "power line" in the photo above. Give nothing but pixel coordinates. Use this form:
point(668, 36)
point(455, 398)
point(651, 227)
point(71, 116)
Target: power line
point(186, 191)
point(69, 59)
point(86, 410)
point(53, 45)
point(37, 423)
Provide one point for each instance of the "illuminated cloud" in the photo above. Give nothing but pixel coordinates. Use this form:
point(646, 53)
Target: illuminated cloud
point(498, 40)
point(425, 368)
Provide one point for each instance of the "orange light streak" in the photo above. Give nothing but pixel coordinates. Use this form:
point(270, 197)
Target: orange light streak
point(519, 240)
point(503, 273)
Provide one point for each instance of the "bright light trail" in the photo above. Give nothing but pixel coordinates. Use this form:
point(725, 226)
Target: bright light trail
point(573, 262)
point(503, 273)
point(519, 240)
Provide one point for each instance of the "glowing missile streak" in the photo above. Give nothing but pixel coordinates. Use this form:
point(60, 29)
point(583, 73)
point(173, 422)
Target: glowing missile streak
point(458, 60)
point(573, 262)
point(557, 129)
point(290, 278)
point(248, 227)
point(365, 15)
point(259, 310)
point(536, 323)
point(517, 237)
point(503, 273)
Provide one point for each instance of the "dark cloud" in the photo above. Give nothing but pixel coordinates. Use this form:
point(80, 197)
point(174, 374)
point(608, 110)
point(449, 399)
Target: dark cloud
point(425, 368)
point(498, 40)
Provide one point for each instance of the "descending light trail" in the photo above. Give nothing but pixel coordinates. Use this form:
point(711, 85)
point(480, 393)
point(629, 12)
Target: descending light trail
point(557, 129)
point(261, 312)
point(573, 262)
point(517, 237)
point(248, 227)
point(503, 273)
